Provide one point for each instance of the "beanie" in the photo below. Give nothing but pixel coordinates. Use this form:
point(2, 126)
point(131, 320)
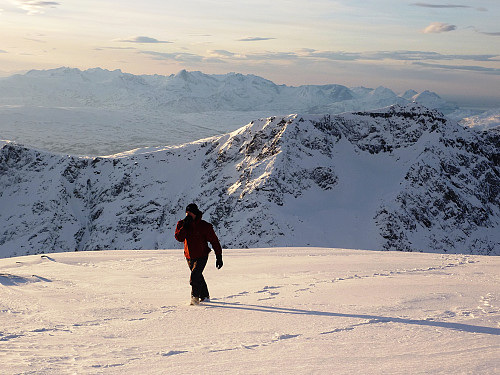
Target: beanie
point(193, 208)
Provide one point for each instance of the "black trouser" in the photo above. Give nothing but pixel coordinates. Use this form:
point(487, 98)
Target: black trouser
point(198, 285)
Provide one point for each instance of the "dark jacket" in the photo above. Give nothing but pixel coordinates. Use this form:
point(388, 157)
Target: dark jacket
point(196, 237)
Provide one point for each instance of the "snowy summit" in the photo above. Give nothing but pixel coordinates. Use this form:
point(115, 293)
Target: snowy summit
point(281, 310)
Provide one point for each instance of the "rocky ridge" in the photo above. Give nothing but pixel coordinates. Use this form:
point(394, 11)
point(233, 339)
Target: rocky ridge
point(400, 178)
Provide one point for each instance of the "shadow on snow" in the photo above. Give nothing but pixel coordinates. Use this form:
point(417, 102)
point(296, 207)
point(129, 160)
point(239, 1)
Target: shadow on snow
point(373, 318)
point(8, 279)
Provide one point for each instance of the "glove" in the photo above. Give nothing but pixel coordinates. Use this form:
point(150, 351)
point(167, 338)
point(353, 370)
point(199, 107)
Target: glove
point(187, 221)
point(218, 262)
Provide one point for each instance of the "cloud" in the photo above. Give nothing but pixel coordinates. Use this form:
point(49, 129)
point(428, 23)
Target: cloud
point(439, 27)
point(467, 68)
point(391, 55)
point(427, 5)
point(253, 39)
point(427, 55)
point(333, 55)
point(280, 56)
point(448, 6)
point(141, 39)
point(490, 34)
point(428, 59)
point(114, 48)
point(312, 54)
point(221, 53)
point(37, 40)
point(34, 7)
point(307, 50)
point(174, 56)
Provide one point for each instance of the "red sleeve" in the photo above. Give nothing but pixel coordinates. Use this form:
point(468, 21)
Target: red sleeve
point(180, 232)
point(212, 238)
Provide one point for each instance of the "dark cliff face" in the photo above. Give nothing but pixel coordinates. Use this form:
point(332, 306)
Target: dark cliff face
point(449, 196)
point(402, 178)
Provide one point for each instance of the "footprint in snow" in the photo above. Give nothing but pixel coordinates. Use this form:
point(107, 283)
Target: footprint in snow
point(236, 295)
point(278, 337)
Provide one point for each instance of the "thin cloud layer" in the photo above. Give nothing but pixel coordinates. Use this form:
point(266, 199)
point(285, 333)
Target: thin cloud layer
point(426, 59)
point(311, 54)
point(254, 39)
point(439, 27)
point(174, 56)
point(469, 68)
point(393, 55)
point(427, 5)
point(490, 34)
point(34, 7)
point(221, 53)
point(141, 40)
point(449, 6)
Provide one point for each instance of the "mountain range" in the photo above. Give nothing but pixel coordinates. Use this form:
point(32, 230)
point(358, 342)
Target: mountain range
point(99, 112)
point(195, 92)
point(404, 177)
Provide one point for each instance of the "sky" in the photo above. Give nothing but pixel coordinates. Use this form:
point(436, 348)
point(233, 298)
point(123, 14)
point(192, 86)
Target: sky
point(451, 47)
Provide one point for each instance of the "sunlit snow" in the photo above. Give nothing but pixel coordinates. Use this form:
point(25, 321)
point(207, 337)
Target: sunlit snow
point(276, 310)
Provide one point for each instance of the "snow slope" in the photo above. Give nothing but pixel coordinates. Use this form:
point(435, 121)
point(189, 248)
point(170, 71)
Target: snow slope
point(100, 112)
point(275, 310)
point(486, 120)
point(400, 178)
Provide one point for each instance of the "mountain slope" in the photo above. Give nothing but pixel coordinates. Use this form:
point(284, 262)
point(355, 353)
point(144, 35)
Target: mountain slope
point(401, 178)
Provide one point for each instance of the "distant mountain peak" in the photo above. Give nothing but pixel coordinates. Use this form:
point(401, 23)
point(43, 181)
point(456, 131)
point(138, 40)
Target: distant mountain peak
point(409, 94)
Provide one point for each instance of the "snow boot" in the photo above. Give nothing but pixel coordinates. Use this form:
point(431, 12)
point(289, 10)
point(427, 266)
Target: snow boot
point(195, 300)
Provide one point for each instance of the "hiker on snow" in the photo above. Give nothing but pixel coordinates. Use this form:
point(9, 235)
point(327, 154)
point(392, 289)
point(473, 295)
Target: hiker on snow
point(196, 233)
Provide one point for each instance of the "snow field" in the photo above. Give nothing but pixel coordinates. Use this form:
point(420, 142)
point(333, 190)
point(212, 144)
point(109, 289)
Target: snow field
point(276, 310)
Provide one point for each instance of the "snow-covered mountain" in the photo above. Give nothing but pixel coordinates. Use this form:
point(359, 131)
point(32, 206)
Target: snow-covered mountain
point(400, 178)
point(190, 92)
point(99, 112)
point(182, 92)
point(486, 120)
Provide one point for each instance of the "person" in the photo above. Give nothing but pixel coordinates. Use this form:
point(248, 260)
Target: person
point(196, 233)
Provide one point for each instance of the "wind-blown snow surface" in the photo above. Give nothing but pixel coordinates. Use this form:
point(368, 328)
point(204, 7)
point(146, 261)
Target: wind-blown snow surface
point(401, 178)
point(100, 112)
point(277, 310)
